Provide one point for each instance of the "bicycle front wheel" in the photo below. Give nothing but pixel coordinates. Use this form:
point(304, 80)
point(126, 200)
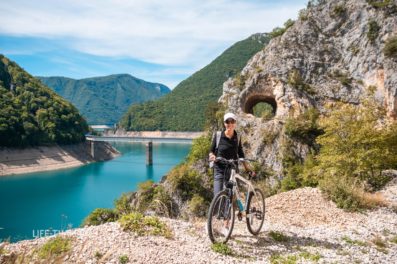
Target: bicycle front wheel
point(255, 214)
point(220, 218)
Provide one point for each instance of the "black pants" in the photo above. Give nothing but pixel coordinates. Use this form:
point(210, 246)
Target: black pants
point(221, 176)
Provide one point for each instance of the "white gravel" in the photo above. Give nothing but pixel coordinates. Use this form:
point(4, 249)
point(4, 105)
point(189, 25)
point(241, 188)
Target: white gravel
point(309, 222)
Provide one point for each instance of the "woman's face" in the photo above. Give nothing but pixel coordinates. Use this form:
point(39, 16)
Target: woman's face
point(230, 124)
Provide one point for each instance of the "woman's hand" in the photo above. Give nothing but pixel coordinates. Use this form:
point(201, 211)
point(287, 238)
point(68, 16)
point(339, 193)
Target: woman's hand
point(212, 157)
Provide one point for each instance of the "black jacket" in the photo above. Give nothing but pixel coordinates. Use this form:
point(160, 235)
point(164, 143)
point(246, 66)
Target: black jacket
point(228, 148)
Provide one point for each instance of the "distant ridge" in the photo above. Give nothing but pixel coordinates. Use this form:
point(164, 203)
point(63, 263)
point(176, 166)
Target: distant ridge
point(103, 100)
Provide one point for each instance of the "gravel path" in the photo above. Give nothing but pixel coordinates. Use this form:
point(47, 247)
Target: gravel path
point(310, 228)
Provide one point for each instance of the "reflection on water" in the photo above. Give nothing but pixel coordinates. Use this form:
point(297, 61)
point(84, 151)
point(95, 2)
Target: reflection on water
point(36, 203)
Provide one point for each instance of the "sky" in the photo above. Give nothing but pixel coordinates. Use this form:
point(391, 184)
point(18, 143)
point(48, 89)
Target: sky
point(163, 41)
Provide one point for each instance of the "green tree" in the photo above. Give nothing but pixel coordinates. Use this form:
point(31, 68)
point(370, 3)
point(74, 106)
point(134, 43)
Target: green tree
point(358, 144)
point(355, 143)
point(31, 114)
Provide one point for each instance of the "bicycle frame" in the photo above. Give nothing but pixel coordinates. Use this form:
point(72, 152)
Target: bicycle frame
point(234, 176)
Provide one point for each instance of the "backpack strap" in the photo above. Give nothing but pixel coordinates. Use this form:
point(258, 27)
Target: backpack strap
point(218, 139)
point(238, 140)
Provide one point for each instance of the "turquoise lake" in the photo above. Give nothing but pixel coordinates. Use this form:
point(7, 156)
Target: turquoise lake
point(45, 203)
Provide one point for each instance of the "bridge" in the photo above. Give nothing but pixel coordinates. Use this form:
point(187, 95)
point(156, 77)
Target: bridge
point(139, 139)
point(148, 140)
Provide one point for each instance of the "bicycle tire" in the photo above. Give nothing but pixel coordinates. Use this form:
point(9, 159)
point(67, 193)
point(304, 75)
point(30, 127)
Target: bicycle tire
point(255, 212)
point(217, 214)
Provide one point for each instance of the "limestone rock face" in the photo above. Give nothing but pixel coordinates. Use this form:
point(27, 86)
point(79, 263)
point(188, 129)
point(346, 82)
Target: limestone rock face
point(326, 56)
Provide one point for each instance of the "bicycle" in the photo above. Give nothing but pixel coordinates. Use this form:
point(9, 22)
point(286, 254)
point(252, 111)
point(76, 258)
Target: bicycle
point(221, 215)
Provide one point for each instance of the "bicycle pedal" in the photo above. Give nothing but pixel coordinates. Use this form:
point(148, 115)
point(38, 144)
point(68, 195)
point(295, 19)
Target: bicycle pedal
point(240, 216)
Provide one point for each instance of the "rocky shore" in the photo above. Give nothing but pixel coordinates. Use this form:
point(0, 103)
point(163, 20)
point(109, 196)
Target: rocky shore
point(46, 158)
point(300, 226)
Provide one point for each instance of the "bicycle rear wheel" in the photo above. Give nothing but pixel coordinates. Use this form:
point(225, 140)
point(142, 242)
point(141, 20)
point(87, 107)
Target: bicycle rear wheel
point(255, 214)
point(220, 218)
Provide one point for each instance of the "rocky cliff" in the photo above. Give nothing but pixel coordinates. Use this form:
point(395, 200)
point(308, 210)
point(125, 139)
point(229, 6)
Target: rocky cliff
point(333, 52)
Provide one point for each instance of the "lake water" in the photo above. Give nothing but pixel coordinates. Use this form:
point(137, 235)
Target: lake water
point(45, 203)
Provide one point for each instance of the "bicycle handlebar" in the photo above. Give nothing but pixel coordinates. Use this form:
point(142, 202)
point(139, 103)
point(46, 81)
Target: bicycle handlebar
point(233, 162)
point(230, 160)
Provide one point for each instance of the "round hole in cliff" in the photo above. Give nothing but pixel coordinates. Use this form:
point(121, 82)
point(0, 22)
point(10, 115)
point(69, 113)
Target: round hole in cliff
point(261, 106)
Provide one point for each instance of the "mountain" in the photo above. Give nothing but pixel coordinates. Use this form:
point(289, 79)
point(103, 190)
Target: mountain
point(31, 114)
point(103, 100)
point(184, 108)
point(335, 53)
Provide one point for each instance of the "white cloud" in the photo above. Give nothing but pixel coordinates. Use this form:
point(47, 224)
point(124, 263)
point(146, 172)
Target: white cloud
point(185, 32)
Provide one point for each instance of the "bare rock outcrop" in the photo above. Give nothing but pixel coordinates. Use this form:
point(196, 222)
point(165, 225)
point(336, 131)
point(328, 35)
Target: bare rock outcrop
point(328, 55)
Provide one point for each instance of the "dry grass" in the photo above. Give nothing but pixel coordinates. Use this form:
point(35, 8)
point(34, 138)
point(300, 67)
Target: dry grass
point(372, 200)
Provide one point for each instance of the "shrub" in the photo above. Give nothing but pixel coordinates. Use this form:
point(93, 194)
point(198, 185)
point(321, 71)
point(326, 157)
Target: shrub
point(296, 174)
point(239, 80)
point(265, 179)
point(338, 10)
point(289, 23)
point(309, 176)
point(186, 181)
point(144, 225)
point(198, 206)
point(373, 31)
point(292, 164)
point(354, 242)
point(123, 204)
point(303, 14)
point(295, 80)
point(379, 242)
point(269, 135)
point(278, 236)
point(292, 179)
point(222, 249)
point(390, 49)
point(100, 216)
point(379, 3)
point(199, 148)
point(144, 195)
point(98, 255)
point(277, 32)
point(354, 49)
point(161, 202)
point(342, 77)
point(304, 127)
point(123, 259)
point(54, 247)
point(349, 194)
point(214, 116)
point(309, 256)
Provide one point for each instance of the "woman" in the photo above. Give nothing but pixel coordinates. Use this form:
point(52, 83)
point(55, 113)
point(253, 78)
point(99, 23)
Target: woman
point(229, 148)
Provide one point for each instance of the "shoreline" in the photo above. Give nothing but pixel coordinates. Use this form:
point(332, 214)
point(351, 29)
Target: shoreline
point(49, 158)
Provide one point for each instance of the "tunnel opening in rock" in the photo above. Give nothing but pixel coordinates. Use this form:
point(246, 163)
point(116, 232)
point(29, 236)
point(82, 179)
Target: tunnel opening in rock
point(261, 106)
